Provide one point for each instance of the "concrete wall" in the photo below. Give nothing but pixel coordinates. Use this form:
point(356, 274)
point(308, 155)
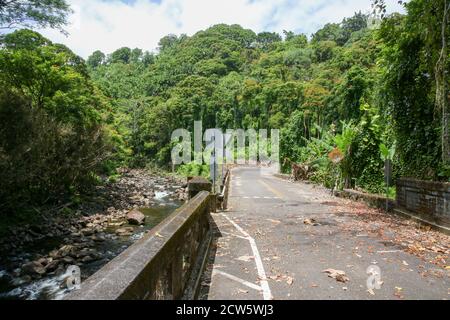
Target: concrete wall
point(164, 265)
point(430, 200)
point(373, 200)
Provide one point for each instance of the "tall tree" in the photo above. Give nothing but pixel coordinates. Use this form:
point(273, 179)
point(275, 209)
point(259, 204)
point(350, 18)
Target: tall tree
point(34, 13)
point(442, 94)
point(96, 59)
point(434, 13)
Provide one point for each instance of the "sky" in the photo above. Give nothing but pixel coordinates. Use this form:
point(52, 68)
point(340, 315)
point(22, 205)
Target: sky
point(107, 25)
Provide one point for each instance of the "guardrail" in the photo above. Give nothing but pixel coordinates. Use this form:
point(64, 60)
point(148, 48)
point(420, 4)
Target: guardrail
point(165, 265)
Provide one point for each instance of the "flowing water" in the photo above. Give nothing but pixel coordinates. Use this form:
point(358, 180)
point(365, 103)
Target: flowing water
point(50, 288)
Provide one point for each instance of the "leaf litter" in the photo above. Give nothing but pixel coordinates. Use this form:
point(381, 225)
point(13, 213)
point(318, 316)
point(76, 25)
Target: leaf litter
point(414, 238)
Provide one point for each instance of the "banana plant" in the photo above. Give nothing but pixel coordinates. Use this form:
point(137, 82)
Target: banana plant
point(343, 143)
point(387, 153)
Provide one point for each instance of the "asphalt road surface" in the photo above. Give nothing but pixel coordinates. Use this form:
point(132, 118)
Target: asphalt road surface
point(277, 238)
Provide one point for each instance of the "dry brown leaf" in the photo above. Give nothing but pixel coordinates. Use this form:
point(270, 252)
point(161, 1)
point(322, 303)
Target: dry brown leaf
point(339, 275)
point(311, 222)
point(246, 258)
point(290, 281)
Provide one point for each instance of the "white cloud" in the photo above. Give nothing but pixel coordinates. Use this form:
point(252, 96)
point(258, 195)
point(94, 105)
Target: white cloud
point(109, 24)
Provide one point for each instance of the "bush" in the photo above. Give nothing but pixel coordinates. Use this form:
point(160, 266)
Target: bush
point(43, 160)
point(194, 170)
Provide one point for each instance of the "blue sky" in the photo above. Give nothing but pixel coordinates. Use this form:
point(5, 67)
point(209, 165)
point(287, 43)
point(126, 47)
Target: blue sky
point(109, 24)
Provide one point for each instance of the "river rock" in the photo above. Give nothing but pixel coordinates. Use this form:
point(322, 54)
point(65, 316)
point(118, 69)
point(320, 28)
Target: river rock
point(33, 268)
point(87, 252)
point(68, 260)
point(135, 217)
point(52, 266)
point(117, 224)
point(98, 238)
point(87, 259)
point(60, 270)
point(123, 232)
point(66, 250)
point(43, 261)
point(87, 232)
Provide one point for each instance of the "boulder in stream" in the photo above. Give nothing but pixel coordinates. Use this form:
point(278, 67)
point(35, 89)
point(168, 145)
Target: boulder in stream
point(33, 268)
point(123, 232)
point(135, 217)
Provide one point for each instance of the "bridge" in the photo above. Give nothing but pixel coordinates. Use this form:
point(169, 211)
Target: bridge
point(276, 240)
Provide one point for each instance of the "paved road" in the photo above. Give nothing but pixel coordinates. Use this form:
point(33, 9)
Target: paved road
point(264, 249)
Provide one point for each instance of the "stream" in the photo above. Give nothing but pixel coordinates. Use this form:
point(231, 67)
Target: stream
point(50, 287)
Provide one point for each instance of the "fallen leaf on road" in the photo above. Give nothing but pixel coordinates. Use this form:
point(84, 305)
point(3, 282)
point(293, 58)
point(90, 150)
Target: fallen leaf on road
point(311, 222)
point(246, 258)
point(290, 281)
point(337, 274)
point(398, 292)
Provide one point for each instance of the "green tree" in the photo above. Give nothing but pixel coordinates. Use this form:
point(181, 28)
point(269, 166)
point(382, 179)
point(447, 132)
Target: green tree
point(52, 141)
point(96, 59)
point(350, 25)
point(330, 32)
point(425, 35)
point(30, 13)
point(266, 39)
point(120, 55)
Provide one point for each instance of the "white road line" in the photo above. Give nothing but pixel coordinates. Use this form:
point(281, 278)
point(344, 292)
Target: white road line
point(257, 197)
point(259, 265)
point(241, 281)
point(233, 235)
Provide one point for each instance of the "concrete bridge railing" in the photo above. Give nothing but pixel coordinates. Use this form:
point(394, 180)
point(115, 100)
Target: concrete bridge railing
point(166, 264)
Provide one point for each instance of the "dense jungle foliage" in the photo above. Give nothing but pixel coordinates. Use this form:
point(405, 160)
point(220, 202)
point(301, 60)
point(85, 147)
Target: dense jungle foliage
point(362, 91)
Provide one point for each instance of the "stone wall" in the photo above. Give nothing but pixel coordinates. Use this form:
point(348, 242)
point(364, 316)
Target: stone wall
point(430, 200)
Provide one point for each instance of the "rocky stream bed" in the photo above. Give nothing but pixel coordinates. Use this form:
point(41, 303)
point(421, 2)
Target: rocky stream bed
point(35, 259)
